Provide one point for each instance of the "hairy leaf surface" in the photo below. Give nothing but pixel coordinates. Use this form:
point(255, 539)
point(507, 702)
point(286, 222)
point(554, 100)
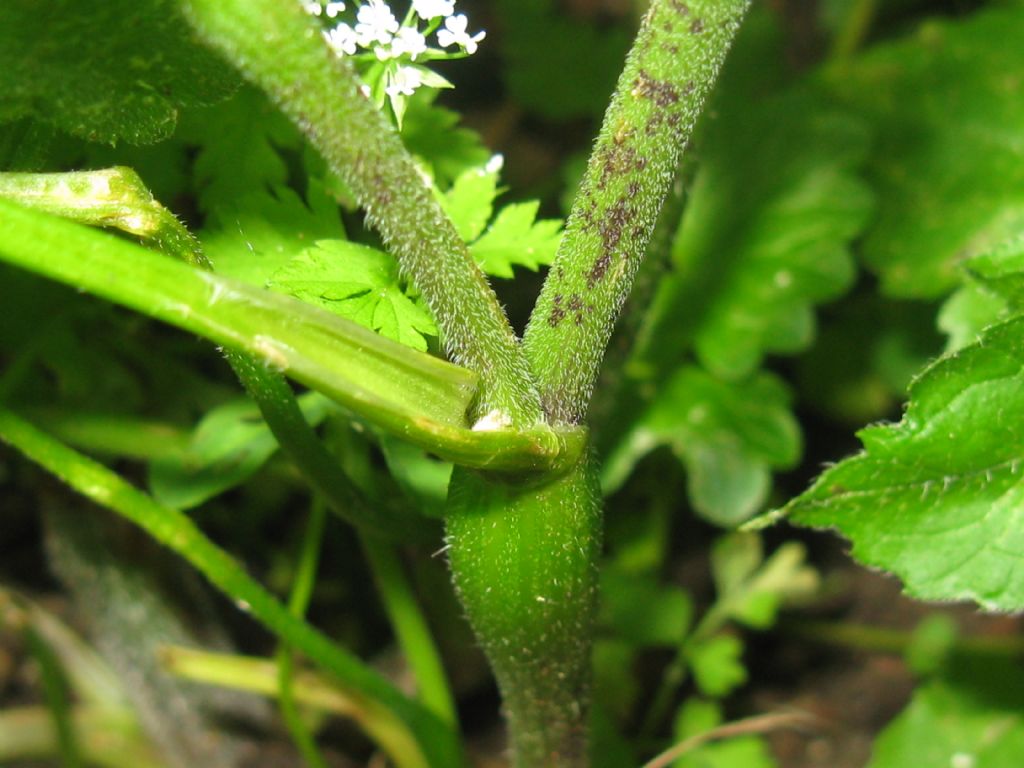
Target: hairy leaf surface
point(104, 70)
point(938, 499)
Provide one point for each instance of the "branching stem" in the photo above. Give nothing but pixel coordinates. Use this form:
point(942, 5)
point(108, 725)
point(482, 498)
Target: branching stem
point(667, 77)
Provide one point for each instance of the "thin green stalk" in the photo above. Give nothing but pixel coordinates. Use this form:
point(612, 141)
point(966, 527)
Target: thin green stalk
point(669, 72)
point(110, 738)
point(411, 630)
point(854, 30)
point(280, 48)
point(113, 434)
point(863, 637)
point(412, 395)
point(413, 736)
point(55, 691)
point(298, 602)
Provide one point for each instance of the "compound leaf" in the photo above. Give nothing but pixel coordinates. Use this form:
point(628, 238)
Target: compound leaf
point(517, 238)
point(359, 283)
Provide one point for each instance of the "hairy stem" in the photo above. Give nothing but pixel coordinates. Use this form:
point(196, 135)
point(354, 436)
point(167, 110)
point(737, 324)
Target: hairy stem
point(667, 77)
point(412, 395)
point(279, 47)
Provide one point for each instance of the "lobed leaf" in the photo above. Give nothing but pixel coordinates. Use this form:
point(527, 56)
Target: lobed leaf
point(728, 435)
point(948, 164)
point(938, 498)
point(517, 238)
point(359, 283)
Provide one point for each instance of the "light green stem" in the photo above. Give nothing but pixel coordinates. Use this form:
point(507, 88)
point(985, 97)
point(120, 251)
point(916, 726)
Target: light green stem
point(411, 629)
point(415, 396)
point(298, 602)
point(667, 77)
point(280, 48)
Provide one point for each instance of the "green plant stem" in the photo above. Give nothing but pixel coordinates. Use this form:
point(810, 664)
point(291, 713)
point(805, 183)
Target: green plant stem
point(524, 561)
point(298, 602)
point(668, 74)
point(412, 735)
point(863, 637)
point(411, 628)
point(415, 396)
point(280, 48)
point(55, 691)
point(855, 28)
point(612, 394)
point(113, 434)
point(111, 197)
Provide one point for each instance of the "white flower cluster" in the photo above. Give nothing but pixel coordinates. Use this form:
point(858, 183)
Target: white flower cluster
point(377, 36)
point(376, 29)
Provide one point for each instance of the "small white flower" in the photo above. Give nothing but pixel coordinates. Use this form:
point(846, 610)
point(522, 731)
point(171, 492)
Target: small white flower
point(408, 41)
point(404, 81)
point(317, 8)
point(454, 33)
point(431, 9)
point(375, 24)
point(495, 164)
point(342, 39)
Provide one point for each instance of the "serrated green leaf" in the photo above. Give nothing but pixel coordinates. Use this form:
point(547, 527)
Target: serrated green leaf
point(696, 717)
point(971, 720)
point(432, 133)
point(238, 151)
point(728, 435)
point(937, 499)
point(992, 292)
point(104, 70)
point(517, 238)
point(469, 202)
point(765, 236)
point(257, 234)
point(227, 447)
point(359, 283)
point(717, 664)
point(948, 165)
